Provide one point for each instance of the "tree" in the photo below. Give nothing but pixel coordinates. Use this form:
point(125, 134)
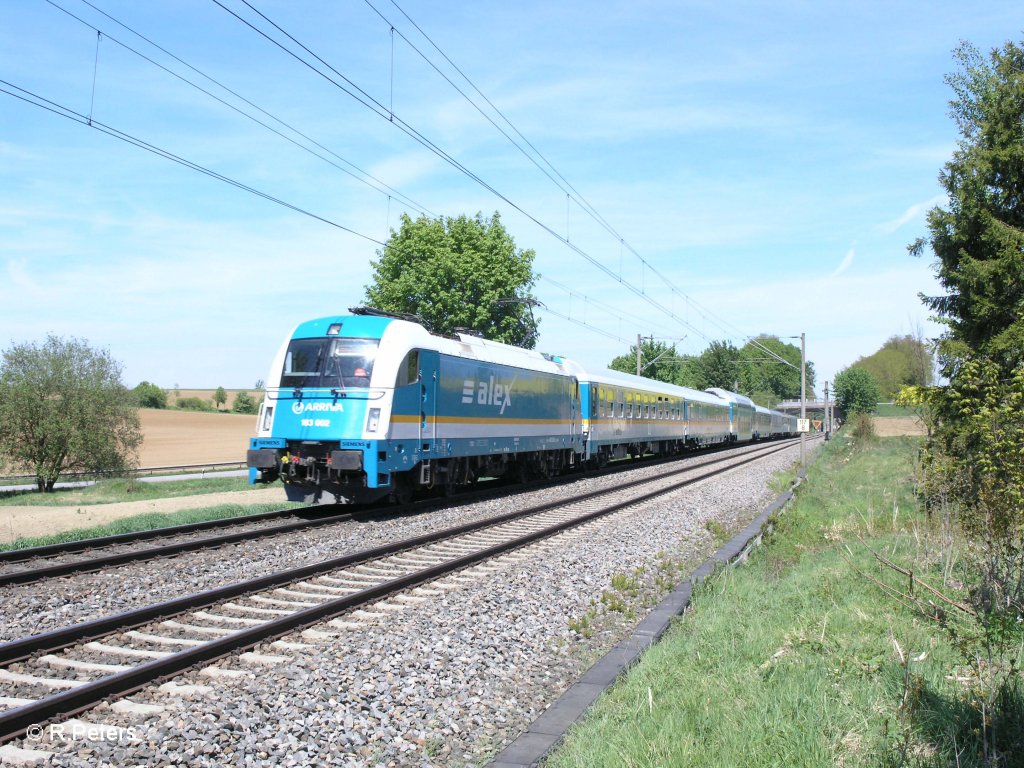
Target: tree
point(657, 360)
point(63, 408)
point(759, 371)
point(718, 366)
point(458, 273)
point(978, 239)
point(856, 391)
point(901, 362)
point(972, 460)
point(149, 395)
point(220, 397)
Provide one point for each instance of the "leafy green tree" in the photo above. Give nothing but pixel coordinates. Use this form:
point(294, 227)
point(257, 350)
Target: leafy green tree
point(978, 239)
point(761, 372)
point(244, 403)
point(856, 391)
point(63, 408)
point(657, 360)
point(149, 395)
point(718, 366)
point(901, 362)
point(458, 273)
point(220, 397)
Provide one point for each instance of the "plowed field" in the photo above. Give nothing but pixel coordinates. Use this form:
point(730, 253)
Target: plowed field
point(174, 438)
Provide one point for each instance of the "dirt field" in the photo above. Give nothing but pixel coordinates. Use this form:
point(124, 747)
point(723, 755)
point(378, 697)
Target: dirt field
point(170, 438)
point(174, 438)
point(896, 426)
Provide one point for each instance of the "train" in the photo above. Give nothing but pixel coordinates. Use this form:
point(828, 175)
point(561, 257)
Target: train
point(369, 405)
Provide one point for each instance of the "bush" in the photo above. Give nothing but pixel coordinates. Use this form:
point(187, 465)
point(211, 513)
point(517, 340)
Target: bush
point(63, 409)
point(194, 404)
point(863, 428)
point(149, 395)
point(244, 403)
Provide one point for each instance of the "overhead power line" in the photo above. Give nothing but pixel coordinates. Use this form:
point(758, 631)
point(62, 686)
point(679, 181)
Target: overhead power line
point(543, 164)
point(66, 112)
point(357, 173)
point(349, 87)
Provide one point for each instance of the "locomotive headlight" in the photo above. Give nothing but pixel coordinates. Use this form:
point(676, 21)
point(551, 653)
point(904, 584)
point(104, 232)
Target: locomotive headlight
point(373, 420)
point(268, 417)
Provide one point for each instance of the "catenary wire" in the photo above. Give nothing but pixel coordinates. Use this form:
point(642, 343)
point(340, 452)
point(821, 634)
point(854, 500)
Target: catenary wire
point(377, 185)
point(368, 101)
point(567, 188)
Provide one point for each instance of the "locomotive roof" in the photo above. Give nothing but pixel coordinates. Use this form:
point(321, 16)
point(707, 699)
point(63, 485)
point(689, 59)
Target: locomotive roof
point(412, 335)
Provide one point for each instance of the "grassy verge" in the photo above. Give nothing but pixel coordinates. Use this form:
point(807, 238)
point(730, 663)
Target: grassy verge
point(149, 521)
point(122, 489)
point(799, 658)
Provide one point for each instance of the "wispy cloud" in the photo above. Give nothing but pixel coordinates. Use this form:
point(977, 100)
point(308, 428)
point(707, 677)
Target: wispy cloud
point(845, 263)
point(912, 213)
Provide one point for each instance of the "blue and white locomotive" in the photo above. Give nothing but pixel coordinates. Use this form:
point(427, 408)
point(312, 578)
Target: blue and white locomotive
point(369, 405)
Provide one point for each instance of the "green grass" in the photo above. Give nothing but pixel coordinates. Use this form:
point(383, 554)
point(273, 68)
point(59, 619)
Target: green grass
point(149, 521)
point(889, 410)
point(798, 659)
point(123, 489)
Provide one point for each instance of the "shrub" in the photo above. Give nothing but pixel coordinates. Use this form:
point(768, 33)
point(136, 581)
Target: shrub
point(194, 404)
point(63, 409)
point(863, 428)
point(149, 395)
point(244, 403)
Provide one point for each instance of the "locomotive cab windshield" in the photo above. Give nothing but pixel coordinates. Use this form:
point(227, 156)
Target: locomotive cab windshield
point(329, 363)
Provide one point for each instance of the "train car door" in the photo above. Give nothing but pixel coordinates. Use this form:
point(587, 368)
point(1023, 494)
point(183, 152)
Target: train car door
point(573, 407)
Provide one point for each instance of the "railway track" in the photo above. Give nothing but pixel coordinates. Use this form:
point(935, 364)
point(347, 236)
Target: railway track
point(24, 566)
point(60, 673)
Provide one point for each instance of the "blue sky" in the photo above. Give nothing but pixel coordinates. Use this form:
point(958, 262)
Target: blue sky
point(770, 161)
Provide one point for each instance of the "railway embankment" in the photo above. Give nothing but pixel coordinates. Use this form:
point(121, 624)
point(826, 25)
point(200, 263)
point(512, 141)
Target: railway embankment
point(819, 650)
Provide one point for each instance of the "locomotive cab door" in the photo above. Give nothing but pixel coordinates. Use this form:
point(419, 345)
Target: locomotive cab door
point(430, 376)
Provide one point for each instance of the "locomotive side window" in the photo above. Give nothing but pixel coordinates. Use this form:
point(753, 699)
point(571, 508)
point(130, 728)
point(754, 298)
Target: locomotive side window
point(409, 370)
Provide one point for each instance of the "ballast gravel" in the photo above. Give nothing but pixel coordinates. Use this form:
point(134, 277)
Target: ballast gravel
point(446, 681)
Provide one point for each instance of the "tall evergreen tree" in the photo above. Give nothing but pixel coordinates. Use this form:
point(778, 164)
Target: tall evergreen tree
point(978, 240)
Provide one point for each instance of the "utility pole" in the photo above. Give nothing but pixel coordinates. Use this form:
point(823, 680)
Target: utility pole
point(803, 398)
point(828, 415)
point(639, 340)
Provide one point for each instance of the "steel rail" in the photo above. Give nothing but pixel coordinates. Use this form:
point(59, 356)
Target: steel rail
point(166, 550)
point(39, 573)
point(17, 650)
point(80, 545)
point(16, 722)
